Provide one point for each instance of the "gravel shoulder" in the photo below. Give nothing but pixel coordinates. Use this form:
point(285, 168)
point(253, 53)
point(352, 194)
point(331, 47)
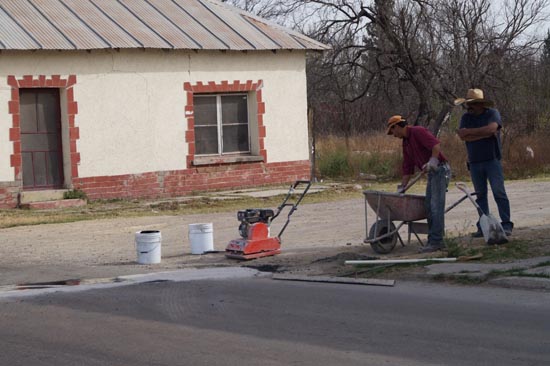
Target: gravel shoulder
point(318, 239)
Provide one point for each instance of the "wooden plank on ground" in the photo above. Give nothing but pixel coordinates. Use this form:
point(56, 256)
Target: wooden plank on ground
point(400, 261)
point(327, 279)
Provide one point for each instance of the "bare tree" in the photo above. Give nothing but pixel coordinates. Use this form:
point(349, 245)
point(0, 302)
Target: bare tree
point(276, 10)
point(436, 48)
point(412, 56)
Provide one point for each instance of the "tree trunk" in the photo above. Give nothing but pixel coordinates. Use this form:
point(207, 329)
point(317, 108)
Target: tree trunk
point(311, 126)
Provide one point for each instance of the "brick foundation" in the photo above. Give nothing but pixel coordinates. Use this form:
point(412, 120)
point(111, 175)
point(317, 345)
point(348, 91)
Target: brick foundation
point(9, 194)
point(182, 182)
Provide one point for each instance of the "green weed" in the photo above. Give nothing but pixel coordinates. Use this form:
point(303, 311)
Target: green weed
point(75, 194)
point(456, 249)
point(516, 249)
point(335, 165)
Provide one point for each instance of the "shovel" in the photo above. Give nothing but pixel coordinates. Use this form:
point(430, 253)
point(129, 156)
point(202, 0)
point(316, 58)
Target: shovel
point(413, 181)
point(492, 230)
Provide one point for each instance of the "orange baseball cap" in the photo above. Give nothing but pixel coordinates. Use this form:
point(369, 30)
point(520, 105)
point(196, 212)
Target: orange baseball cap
point(393, 121)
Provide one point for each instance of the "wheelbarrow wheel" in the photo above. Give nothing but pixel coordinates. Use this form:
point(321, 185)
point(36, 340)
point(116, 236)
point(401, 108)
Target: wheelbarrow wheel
point(384, 245)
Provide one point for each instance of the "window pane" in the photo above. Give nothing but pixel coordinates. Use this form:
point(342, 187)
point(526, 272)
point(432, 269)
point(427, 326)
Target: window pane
point(206, 140)
point(235, 138)
point(53, 159)
point(47, 110)
point(40, 172)
point(234, 109)
point(28, 174)
point(39, 142)
point(27, 111)
point(205, 110)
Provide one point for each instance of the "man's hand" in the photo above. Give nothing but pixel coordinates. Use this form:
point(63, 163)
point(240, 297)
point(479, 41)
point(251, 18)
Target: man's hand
point(474, 134)
point(462, 133)
point(432, 164)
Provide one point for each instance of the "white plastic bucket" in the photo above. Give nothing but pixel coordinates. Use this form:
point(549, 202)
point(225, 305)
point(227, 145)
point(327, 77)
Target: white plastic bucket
point(148, 243)
point(201, 238)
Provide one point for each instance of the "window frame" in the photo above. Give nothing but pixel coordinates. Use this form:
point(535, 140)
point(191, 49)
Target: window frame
point(220, 125)
point(257, 128)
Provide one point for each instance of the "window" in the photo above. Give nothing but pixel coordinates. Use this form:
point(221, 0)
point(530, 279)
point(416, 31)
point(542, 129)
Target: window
point(221, 124)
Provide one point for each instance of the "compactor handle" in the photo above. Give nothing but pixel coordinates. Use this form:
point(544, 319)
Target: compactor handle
point(293, 206)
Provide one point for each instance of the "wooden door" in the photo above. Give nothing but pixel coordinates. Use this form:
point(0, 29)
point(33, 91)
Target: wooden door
point(41, 146)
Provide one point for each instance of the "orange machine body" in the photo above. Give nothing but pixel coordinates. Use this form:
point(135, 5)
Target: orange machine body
point(257, 244)
point(255, 241)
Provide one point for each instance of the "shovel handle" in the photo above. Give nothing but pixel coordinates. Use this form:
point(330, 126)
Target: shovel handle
point(413, 181)
point(464, 188)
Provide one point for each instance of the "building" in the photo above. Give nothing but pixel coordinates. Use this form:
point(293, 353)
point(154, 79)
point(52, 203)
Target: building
point(148, 98)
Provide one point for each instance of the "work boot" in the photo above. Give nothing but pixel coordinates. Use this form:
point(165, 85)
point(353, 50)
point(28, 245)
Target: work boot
point(477, 234)
point(431, 248)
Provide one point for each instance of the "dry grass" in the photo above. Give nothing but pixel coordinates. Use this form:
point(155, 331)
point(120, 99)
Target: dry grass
point(380, 155)
point(206, 203)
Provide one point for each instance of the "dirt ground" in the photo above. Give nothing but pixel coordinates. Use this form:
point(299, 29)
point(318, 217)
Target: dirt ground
point(318, 239)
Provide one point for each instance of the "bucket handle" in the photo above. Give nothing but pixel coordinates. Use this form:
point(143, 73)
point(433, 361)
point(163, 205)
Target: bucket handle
point(155, 248)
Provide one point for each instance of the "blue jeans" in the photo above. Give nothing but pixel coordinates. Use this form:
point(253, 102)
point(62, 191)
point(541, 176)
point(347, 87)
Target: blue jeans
point(438, 181)
point(491, 171)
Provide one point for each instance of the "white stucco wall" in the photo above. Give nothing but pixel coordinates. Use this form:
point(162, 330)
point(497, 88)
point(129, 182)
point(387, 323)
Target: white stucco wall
point(131, 103)
point(6, 146)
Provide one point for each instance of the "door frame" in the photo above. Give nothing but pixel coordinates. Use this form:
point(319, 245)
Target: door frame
point(69, 131)
point(55, 121)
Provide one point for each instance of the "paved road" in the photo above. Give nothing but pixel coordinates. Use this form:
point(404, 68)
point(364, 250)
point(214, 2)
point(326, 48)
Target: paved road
point(260, 321)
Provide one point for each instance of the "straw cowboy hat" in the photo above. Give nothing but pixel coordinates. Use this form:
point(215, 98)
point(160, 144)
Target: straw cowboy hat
point(393, 121)
point(474, 96)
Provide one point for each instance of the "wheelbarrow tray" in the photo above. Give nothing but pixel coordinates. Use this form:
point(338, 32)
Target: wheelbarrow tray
point(397, 206)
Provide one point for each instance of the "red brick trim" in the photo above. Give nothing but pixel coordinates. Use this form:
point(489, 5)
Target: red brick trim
point(167, 184)
point(9, 194)
point(42, 81)
point(223, 87)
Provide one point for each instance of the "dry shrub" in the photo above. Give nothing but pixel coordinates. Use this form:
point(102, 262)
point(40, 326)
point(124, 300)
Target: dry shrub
point(375, 154)
point(380, 155)
point(518, 161)
point(454, 150)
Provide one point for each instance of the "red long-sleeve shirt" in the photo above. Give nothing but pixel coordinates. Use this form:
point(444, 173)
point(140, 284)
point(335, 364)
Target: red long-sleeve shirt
point(417, 148)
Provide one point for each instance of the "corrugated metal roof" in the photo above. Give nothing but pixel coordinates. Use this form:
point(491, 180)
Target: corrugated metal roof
point(162, 24)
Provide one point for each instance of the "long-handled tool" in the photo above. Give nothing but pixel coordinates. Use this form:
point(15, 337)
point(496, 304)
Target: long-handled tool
point(413, 181)
point(255, 241)
point(492, 230)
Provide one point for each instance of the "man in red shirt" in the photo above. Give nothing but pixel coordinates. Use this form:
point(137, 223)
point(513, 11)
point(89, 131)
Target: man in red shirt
point(423, 151)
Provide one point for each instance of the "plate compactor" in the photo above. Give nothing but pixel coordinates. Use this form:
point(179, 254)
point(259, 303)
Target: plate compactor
point(255, 241)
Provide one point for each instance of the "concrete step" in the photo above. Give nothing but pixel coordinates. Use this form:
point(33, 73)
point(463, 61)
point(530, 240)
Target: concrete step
point(41, 196)
point(49, 205)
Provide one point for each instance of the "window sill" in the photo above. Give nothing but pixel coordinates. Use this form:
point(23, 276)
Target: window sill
point(216, 160)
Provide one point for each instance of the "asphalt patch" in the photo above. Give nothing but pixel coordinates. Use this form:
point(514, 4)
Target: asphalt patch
point(272, 268)
point(346, 256)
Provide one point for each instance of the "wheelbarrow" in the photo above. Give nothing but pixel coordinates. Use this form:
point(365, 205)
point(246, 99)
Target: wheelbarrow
point(405, 209)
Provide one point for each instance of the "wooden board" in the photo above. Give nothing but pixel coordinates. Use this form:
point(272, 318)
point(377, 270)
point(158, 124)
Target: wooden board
point(327, 279)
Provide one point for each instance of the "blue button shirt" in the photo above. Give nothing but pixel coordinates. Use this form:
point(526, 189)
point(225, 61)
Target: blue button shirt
point(488, 148)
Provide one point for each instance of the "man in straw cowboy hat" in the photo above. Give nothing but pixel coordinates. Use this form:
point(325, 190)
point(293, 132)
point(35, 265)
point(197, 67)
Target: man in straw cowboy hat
point(480, 128)
point(423, 151)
